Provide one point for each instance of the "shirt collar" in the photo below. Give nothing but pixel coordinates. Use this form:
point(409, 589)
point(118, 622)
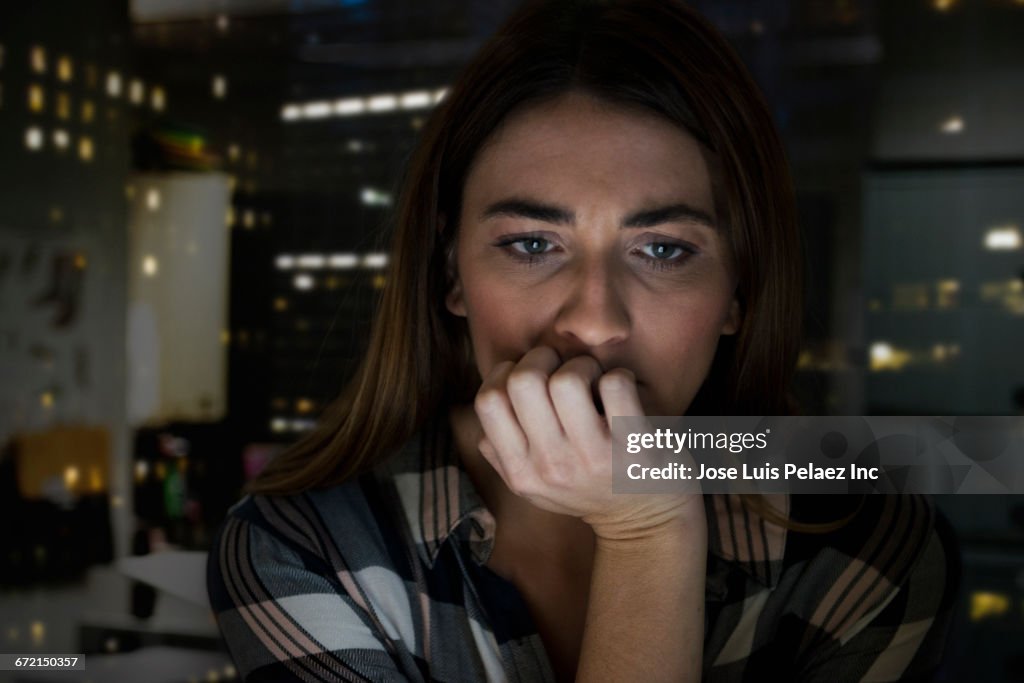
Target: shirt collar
point(439, 501)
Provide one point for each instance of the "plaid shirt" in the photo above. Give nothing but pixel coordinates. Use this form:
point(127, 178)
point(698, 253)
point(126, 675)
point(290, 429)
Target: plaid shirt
point(382, 578)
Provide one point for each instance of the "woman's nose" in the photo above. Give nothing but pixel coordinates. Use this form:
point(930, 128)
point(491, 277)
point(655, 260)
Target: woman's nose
point(593, 312)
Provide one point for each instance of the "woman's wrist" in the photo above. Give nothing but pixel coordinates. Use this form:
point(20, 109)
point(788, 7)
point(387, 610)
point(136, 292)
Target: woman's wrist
point(652, 526)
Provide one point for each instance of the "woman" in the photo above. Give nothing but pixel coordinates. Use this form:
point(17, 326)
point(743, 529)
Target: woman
point(598, 221)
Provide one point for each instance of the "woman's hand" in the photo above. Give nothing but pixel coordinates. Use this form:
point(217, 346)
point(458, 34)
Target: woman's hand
point(547, 441)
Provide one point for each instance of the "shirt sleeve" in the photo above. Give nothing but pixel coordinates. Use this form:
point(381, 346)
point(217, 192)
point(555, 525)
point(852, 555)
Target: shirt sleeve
point(903, 638)
point(285, 616)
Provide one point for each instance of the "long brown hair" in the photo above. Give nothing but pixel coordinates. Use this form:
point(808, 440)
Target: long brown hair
point(655, 54)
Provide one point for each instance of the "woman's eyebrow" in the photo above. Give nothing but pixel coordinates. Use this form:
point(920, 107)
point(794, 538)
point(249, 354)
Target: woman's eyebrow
point(549, 213)
point(527, 208)
point(672, 213)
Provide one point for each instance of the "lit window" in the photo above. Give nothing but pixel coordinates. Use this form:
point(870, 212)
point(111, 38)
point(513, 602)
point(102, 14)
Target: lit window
point(36, 98)
point(136, 91)
point(382, 103)
point(234, 151)
point(153, 199)
point(158, 99)
point(63, 106)
point(34, 138)
point(947, 293)
point(114, 84)
point(316, 110)
point(150, 267)
point(65, 68)
point(349, 106)
point(291, 112)
point(883, 356)
point(88, 111)
point(1003, 238)
point(85, 148)
point(249, 219)
point(61, 139)
point(343, 261)
point(985, 605)
point(284, 262)
point(37, 630)
point(303, 282)
point(37, 59)
point(375, 260)
point(952, 126)
point(415, 100)
point(311, 261)
point(278, 424)
point(220, 87)
point(70, 477)
point(371, 197)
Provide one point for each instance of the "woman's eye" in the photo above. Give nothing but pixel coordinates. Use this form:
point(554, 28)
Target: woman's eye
point(532, 245)
point(663, 251)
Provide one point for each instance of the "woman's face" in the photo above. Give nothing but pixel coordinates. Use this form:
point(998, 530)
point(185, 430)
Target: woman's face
point(590, 228)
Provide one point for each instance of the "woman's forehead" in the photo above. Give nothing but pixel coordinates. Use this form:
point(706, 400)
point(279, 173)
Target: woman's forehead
point(577, 145)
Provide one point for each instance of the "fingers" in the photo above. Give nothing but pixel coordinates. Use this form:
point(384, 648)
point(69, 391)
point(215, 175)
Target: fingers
point(494, 410)
point(618, 393)
point(572, 388)
point(527, 388)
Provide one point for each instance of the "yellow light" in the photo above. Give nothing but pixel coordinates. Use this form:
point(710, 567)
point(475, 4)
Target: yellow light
point(56, 214)
point(229, 217)
point(70, 477)
point(219, 87)
point(85, 149)
point(150, 267)
point(80, 261)
point(280, 304)
point(36, 98)
point(234, 152)
point(46, 399)
point(37, 58)
point(88, 111)
point(95, 480)
point(153, 199)
point(943, 5)
point(249, 219)
point(136, 91)
point(65, 68)
point(158, 99)
point(114, 84)
point(212, 676)
point(63, 106)
point(38, 631)
point(985, 605)
point(141, 470)
point(225, 337)
point(116, 501)
point(304, 405)
point(160, 470)
point(883, 356)
point(379, 281)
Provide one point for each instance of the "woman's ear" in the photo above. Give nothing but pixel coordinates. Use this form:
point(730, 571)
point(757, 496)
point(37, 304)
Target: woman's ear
point(733, 318)
point(453, 300)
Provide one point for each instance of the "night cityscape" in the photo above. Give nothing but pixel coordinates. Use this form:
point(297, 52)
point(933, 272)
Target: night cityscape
point(194, 217)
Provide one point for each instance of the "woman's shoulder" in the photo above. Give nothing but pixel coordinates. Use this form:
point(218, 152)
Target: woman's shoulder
point(894, 562)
